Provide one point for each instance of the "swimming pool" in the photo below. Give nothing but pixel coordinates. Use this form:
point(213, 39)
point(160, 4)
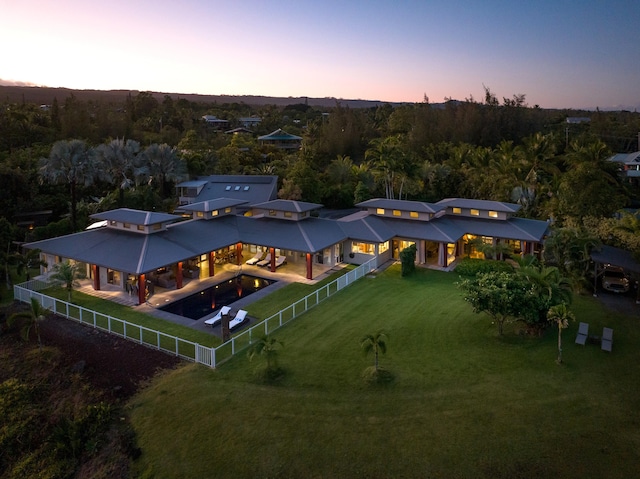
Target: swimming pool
point(211, 299)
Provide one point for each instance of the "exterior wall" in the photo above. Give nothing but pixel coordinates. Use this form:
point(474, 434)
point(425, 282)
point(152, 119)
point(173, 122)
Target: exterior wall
point(466, 212)
point(403, 214)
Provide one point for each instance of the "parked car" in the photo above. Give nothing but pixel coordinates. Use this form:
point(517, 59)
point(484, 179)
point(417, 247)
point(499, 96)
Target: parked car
point(614, 280)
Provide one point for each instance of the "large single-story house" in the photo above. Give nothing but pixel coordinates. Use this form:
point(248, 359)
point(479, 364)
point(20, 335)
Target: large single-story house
point(139, 248)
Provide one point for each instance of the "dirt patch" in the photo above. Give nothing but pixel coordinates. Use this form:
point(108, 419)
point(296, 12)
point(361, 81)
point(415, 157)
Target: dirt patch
point(113, 364)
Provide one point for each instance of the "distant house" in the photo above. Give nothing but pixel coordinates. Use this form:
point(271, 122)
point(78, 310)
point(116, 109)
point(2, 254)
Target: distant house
point(249, 122)
point(215, 122)
point(630, 163)
point(574, 120)
point(281, 139)
point(239, 131)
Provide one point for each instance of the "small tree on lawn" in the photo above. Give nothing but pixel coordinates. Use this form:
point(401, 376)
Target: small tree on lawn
point(31, 319)
point(560, 315)
point(376, 344)
point(267, 346)
point(68, 273)
point(502, 295)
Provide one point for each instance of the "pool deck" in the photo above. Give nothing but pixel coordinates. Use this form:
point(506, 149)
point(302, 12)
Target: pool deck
point(286, 274)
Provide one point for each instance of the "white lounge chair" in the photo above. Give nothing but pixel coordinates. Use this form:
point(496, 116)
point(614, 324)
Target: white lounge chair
point(265, 261)
point(607, 339)
point(238, 320)
point(260, 255)
point(218, 317)
point(280, 260)
point(583, 333)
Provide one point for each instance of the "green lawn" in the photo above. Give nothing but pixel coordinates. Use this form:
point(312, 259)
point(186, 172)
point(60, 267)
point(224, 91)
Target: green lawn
point(465, 402)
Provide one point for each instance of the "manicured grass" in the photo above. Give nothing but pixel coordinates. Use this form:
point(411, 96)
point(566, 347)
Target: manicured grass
point(465, 403)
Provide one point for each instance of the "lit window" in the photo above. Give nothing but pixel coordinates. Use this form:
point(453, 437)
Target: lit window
point(380, 211)
point(493, 214)
point(113, 223)
point(156, 227)
point(214, 213)
point(287, 214)
point(397, 213)
point(413, 214)
point(382, 247)
point(140, 228)
point(199, 214)
point(272, 212)
point(227, 210)
point(363, 248)
point(125, 225)
point(457, 211)
point(475, 212)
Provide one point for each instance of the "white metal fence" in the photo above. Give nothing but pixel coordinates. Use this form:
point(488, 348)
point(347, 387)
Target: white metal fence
point(183, 348)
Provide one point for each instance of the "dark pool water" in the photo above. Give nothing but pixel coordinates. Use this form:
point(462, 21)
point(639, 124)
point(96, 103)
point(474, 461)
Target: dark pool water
point(211, 299)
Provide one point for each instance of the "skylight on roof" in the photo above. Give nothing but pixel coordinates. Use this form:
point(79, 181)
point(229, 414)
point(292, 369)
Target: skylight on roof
point(227, 188)
point(237, 188)
point(246, 188)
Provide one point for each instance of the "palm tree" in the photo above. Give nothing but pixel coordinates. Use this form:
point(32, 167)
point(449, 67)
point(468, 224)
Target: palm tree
point(386, 155)
point(164, 165)
point(560, 315)
point(268, 347)
point(31, 319)
point(25, 261)
point(68, 273)
point(73, 163)
point(119, 163)
point(375, 343)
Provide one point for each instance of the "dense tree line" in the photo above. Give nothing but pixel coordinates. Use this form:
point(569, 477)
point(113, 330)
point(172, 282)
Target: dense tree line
point(78, 157)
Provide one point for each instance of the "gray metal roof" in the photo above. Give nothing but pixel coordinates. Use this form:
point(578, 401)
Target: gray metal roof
point(367, 228)
point(626, 158)
point(279, 135)
point(212, 205)
point(135, 217)
point(192, 184)
point(513, 228)
point(616, 257)
point(311, 235)
point(440, 229)
point(479, 204)
point(288, 205)
point(250, 188)
point(402, 205)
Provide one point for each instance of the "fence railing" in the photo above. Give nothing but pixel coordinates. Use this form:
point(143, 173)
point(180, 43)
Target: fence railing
point(210, 356)
point(134, 332)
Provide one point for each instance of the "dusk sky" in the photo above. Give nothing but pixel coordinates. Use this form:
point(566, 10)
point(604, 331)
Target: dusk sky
point(561, 54)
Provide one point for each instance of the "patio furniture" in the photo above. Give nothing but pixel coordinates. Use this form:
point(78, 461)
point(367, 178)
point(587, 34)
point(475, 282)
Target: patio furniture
point(280, 260)
point(238, 320)
point(218, 317)
point(607, 339)
point(265, 261)
point(583, 333)
point(260, 255)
